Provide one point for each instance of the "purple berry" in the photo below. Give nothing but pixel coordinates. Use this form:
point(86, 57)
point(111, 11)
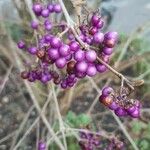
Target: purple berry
point(55, 42)
point(74, 46)
point(107, 51)
point(111, 35)
point(135, 113)
point(93, 30)
point(113, 106)
point(90, 55)
point(79, 55)
point(53, 54)
point(37, 8)
point(131, 109)
point(81, 66)
point(101, 68)
point(107, 91)
point(57, 8)
point(91, 70)
point(45, 13)
point(60, 63)
point(64, 50)
point(21, 44)
point(34, 24)
point(95, 19)
point(98, 38)
point(50, 8)
point(32, 50)
point(120, 112)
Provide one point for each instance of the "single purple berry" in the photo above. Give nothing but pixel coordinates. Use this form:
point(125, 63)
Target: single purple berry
point(91, 70)
point(90, 55)
point(120, 112)
point(34, 25)
point(135, 113)
point(53, 54)
point(32, 50)
point(60, 63)
point(95, 19)
point(64, 50)
point(101, 68)
point(45, 13)
point(93, 30)
point(79, 55)
point(98, 38)
point(107, 91)
point(57, 8)
point(81, 66)
point(107, 51)
point(21, 44)
point(131, 109)
point(37, 8)
point(55, 42)
point(74, 46)
point(50, 7)
point(113, 106)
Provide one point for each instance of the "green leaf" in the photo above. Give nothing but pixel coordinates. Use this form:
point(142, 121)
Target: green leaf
point(144, 145)
point(137, 126)
point(84, 119)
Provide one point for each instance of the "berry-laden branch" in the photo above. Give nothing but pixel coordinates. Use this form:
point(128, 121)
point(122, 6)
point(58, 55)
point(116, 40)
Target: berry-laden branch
point(66, 52)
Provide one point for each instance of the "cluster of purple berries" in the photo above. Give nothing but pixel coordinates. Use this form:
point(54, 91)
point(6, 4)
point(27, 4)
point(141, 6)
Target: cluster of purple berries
point(115, 145)
point(41, 145)
point(72, 61)
point(120, 103)
point(89, 141)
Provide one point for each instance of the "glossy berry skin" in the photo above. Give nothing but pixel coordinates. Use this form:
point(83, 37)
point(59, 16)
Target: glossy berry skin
point(74, 46)
point(107, 91)
point(55, 42)
point(81, 66)
point(91, 70)
point(53, 54)
point(34, 25)
point(32, 50)
point(95, 20)
point(135, 113)
point(64, 50)
point(107, 51)
point(101, 68)
point(113, 106)
point(50, 8)
point(21, 44)
point(120, 112)
point(45, 13)
point(111, 35)
point(60, 63)
point(90, 55)
point(79, 55)
point(37, 8)
point(57, 8)
point(98, 38)
point(110, 43)
point(131, 109)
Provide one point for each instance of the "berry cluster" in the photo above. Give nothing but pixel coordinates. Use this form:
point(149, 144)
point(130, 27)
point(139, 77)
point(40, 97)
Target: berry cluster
point(120, 103)
point(89, 141)
point(65, 60)
point(115, 145)
point(61, 57)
